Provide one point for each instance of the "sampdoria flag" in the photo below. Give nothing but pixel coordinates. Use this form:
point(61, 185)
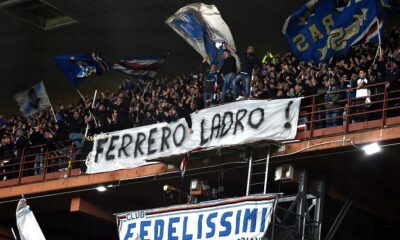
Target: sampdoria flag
point(33, 100)
point(204, 29)
point(77, 67)
point(322, 29)
point(140, 67)
point(27, 225)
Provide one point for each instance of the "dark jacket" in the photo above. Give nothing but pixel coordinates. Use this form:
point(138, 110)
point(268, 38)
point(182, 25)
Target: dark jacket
point(148, 121)
point(75, 125)
point(332, 98)
point(6, 151)
point(393, 76)
point(61, 133)
point(123, 112)
point(184, 112)
point(101, 118)
point(248, 63)
point(229, 66)
point(36, 138)
point(209, 82)
point(21, 142)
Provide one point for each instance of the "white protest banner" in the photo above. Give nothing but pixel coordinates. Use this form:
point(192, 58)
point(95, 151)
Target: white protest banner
point(132, 147)
point(246, 121)
point(226, 125)
point(234, 218)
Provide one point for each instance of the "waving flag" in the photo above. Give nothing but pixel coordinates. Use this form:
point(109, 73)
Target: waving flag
point(33, 100)
point(140, 67)
point(77, 67)
point(323, 29)
point(204, 29)
point(28, 227)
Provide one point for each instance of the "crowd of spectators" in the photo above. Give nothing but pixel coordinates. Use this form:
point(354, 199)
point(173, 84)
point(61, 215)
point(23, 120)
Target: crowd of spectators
point(275, 76)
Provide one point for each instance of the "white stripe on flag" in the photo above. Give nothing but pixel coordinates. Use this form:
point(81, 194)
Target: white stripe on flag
point(28, 227)
point(142, 62)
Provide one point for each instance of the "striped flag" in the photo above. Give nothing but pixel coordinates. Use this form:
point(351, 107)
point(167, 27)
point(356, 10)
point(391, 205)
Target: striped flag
point(184, 164)
point(140, 67)
point(375, 29)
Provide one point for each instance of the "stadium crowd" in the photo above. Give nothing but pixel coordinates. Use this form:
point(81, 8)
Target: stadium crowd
point(273, 76)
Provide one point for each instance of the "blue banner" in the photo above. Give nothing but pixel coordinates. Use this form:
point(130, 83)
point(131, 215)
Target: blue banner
point(326, 28)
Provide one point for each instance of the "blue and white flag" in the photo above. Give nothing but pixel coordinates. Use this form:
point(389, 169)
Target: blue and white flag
point(204, 29)
point(33, 100)
point(322, 29)
point(140, 67)
point(28, 227)
point(76, 67)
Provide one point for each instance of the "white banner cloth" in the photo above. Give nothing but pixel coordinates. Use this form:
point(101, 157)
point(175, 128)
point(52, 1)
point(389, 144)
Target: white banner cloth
point(28, 227)
point(226, 125)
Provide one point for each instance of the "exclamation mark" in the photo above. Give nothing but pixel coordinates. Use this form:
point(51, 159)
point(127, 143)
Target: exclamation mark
point(287, 113)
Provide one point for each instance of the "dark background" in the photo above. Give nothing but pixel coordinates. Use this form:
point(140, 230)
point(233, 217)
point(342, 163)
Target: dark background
point(123, 28)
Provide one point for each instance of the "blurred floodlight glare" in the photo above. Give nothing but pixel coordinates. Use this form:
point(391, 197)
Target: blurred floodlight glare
point(372, 148)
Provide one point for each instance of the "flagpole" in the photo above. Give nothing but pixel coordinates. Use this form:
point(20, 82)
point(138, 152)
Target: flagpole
point(13, 233)
point(379, 37)
point(52, 111)
point(80, 94)
point(87, 124)
point(379, 50)
point(94, 100)
point(51, 106)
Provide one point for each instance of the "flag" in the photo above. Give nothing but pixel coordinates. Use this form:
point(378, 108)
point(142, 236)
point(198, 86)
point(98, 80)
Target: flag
point(77, 67)
point(140, 67)
point(204, 29)
point(183, 165)
point(322, 29)
point(375, 31)
point(28, 227)
point(33, 100)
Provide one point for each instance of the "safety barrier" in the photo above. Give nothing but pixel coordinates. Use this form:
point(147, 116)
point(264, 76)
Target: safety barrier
point(36, 164)
point(350, 114)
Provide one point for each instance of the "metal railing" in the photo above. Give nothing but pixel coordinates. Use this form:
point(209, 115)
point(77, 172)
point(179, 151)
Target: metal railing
point(350, 114)
point(38, 164)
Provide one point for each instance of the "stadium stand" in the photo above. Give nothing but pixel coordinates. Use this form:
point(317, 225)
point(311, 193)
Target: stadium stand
point(352, 85)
